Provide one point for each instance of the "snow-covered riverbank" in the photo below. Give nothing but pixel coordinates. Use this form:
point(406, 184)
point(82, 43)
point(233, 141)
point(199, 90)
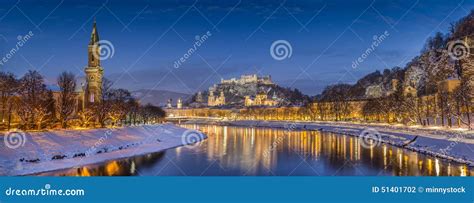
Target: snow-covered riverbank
point(448, 144)
point(54, 150)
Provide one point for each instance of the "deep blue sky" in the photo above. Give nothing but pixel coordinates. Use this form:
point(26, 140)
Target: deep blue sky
point(149, 36)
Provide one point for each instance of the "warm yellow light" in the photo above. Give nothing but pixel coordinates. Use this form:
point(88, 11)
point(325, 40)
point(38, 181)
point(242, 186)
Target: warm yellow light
point(85, 172)
point(112, 168)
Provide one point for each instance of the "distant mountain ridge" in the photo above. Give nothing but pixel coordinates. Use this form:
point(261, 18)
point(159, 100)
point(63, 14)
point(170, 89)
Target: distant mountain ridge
point(158, 97)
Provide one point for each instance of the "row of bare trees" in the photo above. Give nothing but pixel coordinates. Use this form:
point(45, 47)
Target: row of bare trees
point(431, 74)
point(451, 108)
point(27, 103)
point(25, 99)
point(444, 108)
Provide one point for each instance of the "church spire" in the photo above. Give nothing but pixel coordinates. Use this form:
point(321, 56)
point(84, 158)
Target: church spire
point(94, 34)
point(94, 72)
point(94, 47)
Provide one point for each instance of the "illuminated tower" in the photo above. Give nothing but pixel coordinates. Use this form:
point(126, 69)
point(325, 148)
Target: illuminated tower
point(211, 98)
point(94, 72)
point(199, 97)
point(179, 104)
point(221, 98)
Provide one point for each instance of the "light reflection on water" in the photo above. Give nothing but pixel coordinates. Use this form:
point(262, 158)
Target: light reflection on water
point(264, 151)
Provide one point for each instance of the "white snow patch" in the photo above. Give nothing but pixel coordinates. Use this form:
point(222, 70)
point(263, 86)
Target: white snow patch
point(54, 150)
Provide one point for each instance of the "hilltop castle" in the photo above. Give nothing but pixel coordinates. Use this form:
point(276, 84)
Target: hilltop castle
point(248, 90)
point(256, 99)
point(249, 79)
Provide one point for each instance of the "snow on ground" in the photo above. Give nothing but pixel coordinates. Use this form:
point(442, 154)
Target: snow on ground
point(452, 144)
point(54, 150)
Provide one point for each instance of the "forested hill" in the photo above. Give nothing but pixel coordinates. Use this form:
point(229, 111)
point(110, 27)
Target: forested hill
point(423, 72)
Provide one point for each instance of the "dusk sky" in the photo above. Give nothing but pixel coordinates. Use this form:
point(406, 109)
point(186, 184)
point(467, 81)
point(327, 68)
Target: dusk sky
point(149, 36)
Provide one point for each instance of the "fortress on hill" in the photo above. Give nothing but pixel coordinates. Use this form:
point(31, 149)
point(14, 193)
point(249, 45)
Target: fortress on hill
point(248, 79)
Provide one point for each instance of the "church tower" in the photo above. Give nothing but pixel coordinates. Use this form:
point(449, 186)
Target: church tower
point(179, 104)
point(94, 72)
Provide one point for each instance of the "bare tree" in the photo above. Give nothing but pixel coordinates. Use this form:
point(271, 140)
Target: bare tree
point(339, 96)
point(66, 102)
point(86, 117)
point(133, 110)
point(34, 100)
point(119, 99)
point(464, 100)
point(152, 114)
point(8, 87)
point(104, 106)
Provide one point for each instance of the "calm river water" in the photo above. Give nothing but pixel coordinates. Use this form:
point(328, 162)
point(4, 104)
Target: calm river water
point(236, 151)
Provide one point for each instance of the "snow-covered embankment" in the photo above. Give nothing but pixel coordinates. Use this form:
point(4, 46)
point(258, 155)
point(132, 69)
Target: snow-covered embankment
point(34, 152)
point(451, 144)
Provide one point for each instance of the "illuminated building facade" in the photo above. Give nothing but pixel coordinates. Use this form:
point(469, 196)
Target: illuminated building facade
point(214, 100)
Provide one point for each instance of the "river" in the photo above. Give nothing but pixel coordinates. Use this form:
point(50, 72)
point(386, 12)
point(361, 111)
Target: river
point(240, 151)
